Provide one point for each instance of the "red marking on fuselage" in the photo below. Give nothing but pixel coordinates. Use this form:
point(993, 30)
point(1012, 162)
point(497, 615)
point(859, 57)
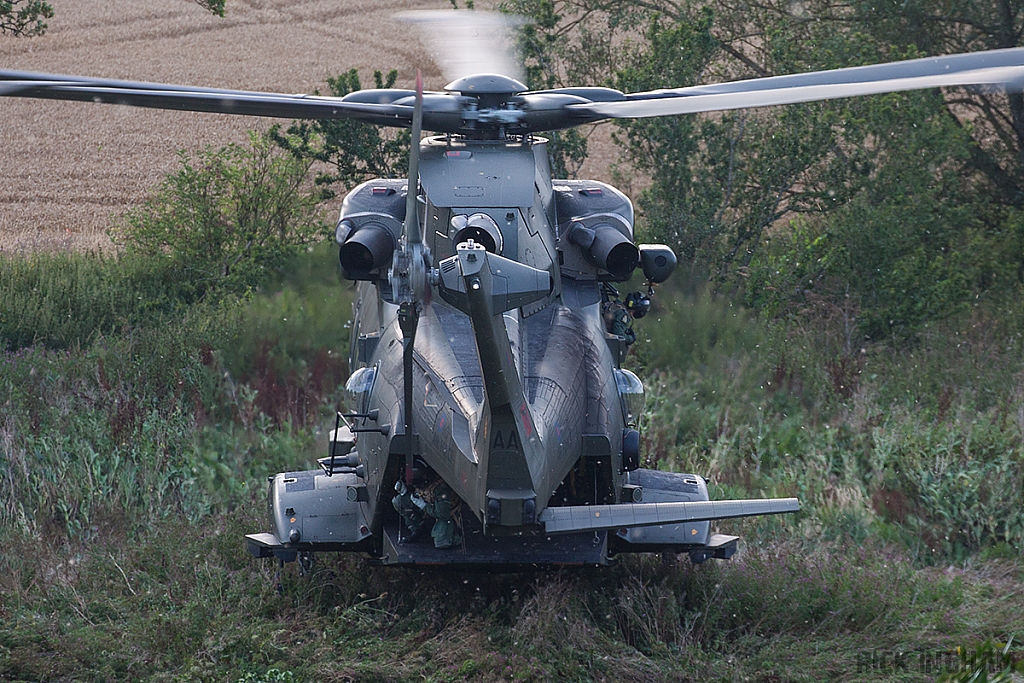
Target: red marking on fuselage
point(524, 412)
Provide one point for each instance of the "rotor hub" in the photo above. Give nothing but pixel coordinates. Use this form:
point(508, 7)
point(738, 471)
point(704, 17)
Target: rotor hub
point(491, 91)
point(486, 84)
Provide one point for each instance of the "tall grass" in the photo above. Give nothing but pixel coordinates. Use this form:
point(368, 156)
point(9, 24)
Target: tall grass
point(63, 300)
point(183, 416)
point(133, 460)
point(919, 445)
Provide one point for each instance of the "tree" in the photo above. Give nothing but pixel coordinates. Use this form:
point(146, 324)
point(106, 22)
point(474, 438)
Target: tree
point(352, 150)
point(24, 17)
point(994, 120)
point(893, 29)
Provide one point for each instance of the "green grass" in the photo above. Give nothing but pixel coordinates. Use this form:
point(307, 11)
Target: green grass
point(173, 417)
point(133, 460)
point(67, 300)
point(183, 601)
point(871, 443)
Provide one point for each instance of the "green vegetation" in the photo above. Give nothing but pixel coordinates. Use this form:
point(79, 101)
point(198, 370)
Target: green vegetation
point(900, 210)
point(227, 220)
point(919, 446)
point(24, 17)
point(133, 456)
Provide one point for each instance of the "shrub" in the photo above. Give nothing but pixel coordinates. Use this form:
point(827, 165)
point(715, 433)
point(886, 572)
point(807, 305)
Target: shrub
point(228, 219)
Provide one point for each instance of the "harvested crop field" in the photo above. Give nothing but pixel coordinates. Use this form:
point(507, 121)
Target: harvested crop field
point(68, 167)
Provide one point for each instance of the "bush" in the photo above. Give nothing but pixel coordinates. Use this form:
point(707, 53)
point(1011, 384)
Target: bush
point(228, 219)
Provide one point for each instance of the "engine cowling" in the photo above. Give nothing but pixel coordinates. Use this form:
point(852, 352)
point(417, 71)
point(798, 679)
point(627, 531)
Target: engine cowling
point(370, 228)
point(607, 248)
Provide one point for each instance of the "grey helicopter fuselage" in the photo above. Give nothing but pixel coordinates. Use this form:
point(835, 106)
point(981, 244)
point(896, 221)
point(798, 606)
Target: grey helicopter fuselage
point(506, 401)
point(519, 408)
point(487, 393)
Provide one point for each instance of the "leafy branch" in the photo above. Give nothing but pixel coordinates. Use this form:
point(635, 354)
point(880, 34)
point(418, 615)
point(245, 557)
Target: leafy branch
point(24, 17)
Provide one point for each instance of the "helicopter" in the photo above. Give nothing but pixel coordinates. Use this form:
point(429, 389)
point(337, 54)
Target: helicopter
point(492, 421)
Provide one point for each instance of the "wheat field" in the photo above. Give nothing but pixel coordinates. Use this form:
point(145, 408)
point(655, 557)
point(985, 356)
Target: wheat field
point(69, 169)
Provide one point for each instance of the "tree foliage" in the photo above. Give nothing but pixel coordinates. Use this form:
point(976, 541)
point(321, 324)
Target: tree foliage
point(351, 151)
point(24, 17)
point(897, 207)
point(214, 6)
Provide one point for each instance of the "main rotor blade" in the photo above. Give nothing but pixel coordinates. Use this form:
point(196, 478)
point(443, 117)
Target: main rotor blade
point(7, 75)
point(163, 96)
point(524, 113)
point(999, 68)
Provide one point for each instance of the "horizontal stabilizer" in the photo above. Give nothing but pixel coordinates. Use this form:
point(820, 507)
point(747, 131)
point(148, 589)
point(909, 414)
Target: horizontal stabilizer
point(596, 517)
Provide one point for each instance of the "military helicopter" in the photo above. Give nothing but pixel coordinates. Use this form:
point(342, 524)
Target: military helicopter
point(492, 421)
